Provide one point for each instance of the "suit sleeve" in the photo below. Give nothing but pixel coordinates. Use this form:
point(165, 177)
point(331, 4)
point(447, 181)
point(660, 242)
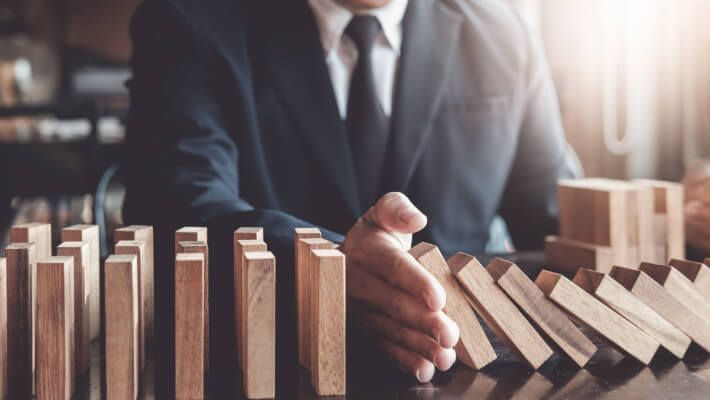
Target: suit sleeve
point(529, 204)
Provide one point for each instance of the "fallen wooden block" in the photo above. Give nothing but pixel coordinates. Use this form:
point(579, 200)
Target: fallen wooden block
point(189, 326)
point(202, 248)
point(243, 233)
point(668, 203)
point(20, 319)
point(614, 295)
point(243, 246)
point(697, 272)
point(328, 322)
point(137, 248)
point(473, 349)
point(260, 322)
point(658, 298)
point(90, 235)
point(543, 312)
point(597, 316)
point(679, 287)
point(501, 315)
point(55, 320)
point(3, 329)
point(566, 255)
point(79, 252)
point(122, 314)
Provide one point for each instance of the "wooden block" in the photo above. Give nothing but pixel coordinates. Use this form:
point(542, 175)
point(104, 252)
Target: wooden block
point(501, 315)
point(473, 349)
point(596, 315)
point(669, 199)
point(20, 319)
point(3, 329)
point(658, 298)
point(202, 248)
point(79, 251)
point(566, 255)
point(189, 326)
point(697, 272)
point(301, 260)
point(143, 233)
point(303, 272)
point(122, 313)
point(137, 248)
point(678, 286)
point(55, 321)
point(611, 293)
point(240, 305)
point(543, 312)
point(90, 235)
point(260, 322)
point(328, 322)
point(190, 234)
point(641, 214)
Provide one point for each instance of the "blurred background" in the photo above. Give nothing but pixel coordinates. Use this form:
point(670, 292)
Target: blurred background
point(633, 77)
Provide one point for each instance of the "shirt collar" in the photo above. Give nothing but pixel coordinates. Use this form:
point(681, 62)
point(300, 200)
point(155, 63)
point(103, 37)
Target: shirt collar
point(332, 19)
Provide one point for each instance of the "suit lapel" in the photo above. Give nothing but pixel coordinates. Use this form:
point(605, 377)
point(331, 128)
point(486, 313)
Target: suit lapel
point(430, 34)
point(295, 56)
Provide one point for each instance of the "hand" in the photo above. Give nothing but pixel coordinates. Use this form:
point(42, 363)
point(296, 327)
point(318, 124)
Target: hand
point(392, 295)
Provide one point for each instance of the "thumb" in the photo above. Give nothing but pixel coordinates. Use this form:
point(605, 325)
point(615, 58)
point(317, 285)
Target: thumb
point(395, 213)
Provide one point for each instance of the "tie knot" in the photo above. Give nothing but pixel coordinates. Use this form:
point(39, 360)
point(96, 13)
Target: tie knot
point(363, 29)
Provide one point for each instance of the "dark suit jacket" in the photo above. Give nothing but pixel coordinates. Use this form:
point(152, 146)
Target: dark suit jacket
point(233, 122)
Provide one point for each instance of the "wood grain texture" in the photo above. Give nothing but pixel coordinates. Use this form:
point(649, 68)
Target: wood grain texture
point(144, 233)
point(137, 248)
point(498, 311)
point(473, 349)
point(243, 246)
point(190, 234)
point(543, 312)
point(611, 293)
point(3, 329)
point(20, 318)
point(80, 252)
point(598, 316)
point(55, 321)
point(696, 272)
point(260, 321)
point(669, 199)
point(678, 286)
point(301, 260)
point(90, 235)
point(328, 322)
point(566, 255)
point(658, 298)
point(189, 326)
point(202, 248)
point(243, 233)
point(122, 313)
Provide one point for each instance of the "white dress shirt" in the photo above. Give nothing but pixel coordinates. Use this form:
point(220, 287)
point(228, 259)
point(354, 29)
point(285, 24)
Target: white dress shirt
point(341, 53)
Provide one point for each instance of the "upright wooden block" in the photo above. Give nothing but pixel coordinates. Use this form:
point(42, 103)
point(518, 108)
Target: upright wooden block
point(658, 298)
point(596, 315)
point(260, 322)
point(491, 303)
point(202, 248)
point(328, 322)
point(678, 286)
point(122, 315)
point(189, 326)
point(190, 234)
point(20, 319)
point(243, 233)
point(697, 272)
point(79, 252)
point(90, 235)
point(545, 314)
point(609, 291)
point(473, 349)
point(143, 233)
point(566, 255)
point(55, 322)
point(668, 203)
point(3, 329)
point(240, 304)
point(301, 261)
point(137, 249)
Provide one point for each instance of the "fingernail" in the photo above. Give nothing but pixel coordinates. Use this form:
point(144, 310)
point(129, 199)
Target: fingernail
point(419, 377)
point(408, 215)
point(427, 299)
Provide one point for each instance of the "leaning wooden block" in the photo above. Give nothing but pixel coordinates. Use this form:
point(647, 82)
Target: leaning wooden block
point(609, 291)
point(90, 235)
point(566, 255)
point(55, 320)
point(243, 246)
point(137, 248)
point(668, 203)
point(122, 319)
point(189, 326)
point(491, 303)
point(658, 298)
point(697, 272)
point(202, 248)
point(243, 233)
point(543, 312)
point(596, 315)
point(3, 329)
point(679, 286)
point(328, 322)
point(79, 251)
point(473, 349)
point(260, 322)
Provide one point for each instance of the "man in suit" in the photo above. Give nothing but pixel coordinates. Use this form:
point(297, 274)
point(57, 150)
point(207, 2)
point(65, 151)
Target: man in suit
point(345, 114)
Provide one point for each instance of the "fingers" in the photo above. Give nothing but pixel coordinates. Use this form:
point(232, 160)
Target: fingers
point(412, 362)
point(394, 212)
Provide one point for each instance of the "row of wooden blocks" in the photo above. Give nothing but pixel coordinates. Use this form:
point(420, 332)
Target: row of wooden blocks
point(637, 311)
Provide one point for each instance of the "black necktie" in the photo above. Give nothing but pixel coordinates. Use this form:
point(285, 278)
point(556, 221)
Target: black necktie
point(367, 124)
